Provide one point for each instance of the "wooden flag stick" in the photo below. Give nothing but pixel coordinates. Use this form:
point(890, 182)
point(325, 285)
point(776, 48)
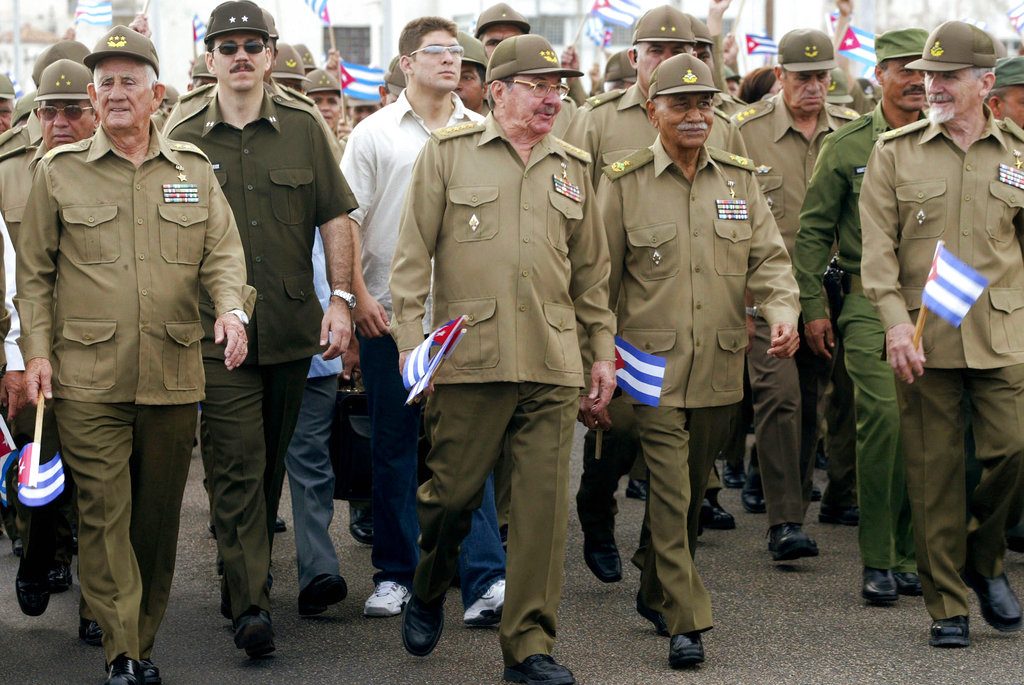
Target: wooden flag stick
point(598, 444)
point(145, 7)
point(579, 29)
point(39, 419)
point(919, 328)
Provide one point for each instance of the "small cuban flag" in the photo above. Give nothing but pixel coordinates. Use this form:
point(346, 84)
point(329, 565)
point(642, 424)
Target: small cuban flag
point(1016, 15)
point(761, 44)
point(359, 81)
point(952, 286)
point(94, 12)
point(619, 12)
point(6, 462)
point(49, 486)
point(420, 366)
point(198, 29)
point(639, 374)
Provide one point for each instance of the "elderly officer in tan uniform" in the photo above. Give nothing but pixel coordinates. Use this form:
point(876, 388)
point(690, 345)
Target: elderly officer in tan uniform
point(127, 213)
point(688, 231)
point(956, 176)
point(504, 211)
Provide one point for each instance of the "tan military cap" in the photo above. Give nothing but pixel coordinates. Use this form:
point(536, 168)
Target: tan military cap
point(288, 64)
point(24, 106)
point(807, 50)
point(268, 19)
point(618, 68)
point(474, 49)
point(839, 88)
point(65, 49)
point(235, 15)
point(501, 14)
point(7, 88)
point(121, 41)
point(199, 69)
point(701, 32)
point(65, 79)
point(664, 23)
point(681, 74)
point(171, 95)
point(319, 81)
point(394, 76)
point(956, 45)
point(529, 54)
point(308, 63)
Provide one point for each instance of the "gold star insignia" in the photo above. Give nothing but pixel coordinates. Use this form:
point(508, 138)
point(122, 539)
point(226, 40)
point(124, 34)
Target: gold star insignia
point(811, 51)
point(117, 42)
point(182, 177)
point(550, 56)
point(937, 50)
point(290, 63)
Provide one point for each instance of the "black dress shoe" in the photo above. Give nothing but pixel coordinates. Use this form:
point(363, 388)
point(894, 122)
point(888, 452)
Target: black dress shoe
point(753, 501)
point(879, 586)
point(950, 632)
point(815, 493)
point(125, 671)
point(152, 673)
point(655, 617)
point(279, 525)
point(539, 669)
point(360, 524)
point(254, 633)
point(733, 477)
point(59, 578)
point(714, 517)
point(907, 583)
point(90, 632)
point(17, 547)
point(685, 649)
point(788, 541)
point(603, 560)
point(840, 516)
point(637, 489)
point(422, 624)
point(999, 606)
point(322, 591)
point(33, 596)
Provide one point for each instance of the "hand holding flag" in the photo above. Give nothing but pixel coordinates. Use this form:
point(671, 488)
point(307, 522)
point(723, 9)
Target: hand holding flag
point(420, 367)
point(39, 485)
point(639, 374)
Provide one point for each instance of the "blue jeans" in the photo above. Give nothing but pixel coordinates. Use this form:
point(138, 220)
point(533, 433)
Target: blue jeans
point(394, 441)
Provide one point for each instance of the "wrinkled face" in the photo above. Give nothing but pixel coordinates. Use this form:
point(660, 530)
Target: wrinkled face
point(241, 71)
point(496, 33)
point(357, 113)
point(438, 72)
point(683, 119)
point(1009, 104)
point(804, 92)
point(6, 114)
point(525, 108)
point(954, 94)
point(901, 87)
point(646, 57)
point(123, 94)
point(703, 52)
point(66, 121)
point(329, 104)
point(471, 87)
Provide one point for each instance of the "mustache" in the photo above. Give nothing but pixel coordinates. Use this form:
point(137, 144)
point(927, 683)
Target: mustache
point(914, 90)
point(939, 99)
point(692, 127)
point(242, 66)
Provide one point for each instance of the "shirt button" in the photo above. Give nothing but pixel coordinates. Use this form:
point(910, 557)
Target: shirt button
point(245, 151)
point(698, 305)
point(647, 346)
point(142, 256)
point(697, 269)
point(140, 221)
point(526, 274)
point(249, 187)
point(697, 344)
point(526, 205)
point(522, 307)
point(473, 198)
point(967, 198)
point(260, 297)
point(185, 218)
point(145, 292)
point(966, 232)
point(696, 234)
point(87, 336)
point(526, 239)
point(253, 222)
point(91, 219)
point(970, 168)
point(138, 186)
point(470, 317)
point(920, 195)
point(259, 259)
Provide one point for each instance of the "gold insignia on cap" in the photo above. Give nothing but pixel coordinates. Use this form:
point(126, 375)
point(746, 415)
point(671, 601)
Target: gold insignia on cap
point(65, 79)
point(290, 63)
point(811, 51)
point(832, 86)
point(689, 76)
point(550, 56)
point(937, 50)
point(670, 29)
point(116, 42)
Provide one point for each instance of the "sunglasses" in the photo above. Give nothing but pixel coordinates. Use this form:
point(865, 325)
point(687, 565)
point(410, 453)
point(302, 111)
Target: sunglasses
point(70, 112)
point(253, 47)
point(455, 50)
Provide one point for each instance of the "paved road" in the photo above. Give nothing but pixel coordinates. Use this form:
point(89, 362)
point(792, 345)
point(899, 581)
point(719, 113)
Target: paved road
point(800, 623)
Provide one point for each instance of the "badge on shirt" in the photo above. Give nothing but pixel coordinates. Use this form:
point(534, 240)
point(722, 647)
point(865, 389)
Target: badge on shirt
point(1011, 176)
point(564, 187)
point(859, 171)
point(735, 210)
point(178, 193)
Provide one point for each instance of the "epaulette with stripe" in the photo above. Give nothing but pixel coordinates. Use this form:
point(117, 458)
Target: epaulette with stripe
point(605, 98)
point(630, 164)
point(578, 153)
point(727, 157)
point(463, 129)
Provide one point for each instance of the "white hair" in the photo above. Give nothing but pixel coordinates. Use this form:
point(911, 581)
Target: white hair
point(151, 77)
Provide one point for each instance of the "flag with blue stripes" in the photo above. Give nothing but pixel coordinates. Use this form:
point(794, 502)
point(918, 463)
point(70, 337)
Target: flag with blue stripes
point(94, 12)
point(420, 366)
point(18, 92)
point(8, 460)
point(952, 286)
point(320, 7)
point(361, 82)
point(859, 44)
point(198, 29)
point(596, 31)
point(49, 487)
point(619, 12)
point(1016, 15)
point(761, 44)
point(639, 374)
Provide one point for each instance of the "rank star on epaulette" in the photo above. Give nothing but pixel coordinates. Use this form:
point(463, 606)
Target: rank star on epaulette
point(735, 210)
point(1011, 176)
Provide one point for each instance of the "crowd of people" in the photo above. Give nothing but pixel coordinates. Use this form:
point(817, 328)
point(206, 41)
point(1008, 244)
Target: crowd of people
point(255, 241)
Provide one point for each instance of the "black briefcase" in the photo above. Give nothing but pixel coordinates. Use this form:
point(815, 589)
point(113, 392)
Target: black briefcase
point(350, 447)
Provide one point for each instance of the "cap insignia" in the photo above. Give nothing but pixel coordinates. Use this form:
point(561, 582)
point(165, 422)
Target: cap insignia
point(690, 77)
point(245, 18)
point(811, 51)
point(117, 42)
point(290, 63)
point(65, 79)
point(937, 50)
point(231, 20)
point(832, 87)
point(550, 56)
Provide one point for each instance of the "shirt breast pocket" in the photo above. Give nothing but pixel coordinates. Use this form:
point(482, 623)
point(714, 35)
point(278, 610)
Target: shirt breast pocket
point(1003, 206)
point(732, 246)
point(182, 233)
point(653, 251)
point(561, 211)
point(91, 234)
point(291, 194)
point(922, 208)
point(771, 186)
point(473, 212)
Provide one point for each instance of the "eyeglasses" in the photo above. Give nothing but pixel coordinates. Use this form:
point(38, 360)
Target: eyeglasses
point(453, 50)
point(541, 89)
point(253, 47)
point(70, 112)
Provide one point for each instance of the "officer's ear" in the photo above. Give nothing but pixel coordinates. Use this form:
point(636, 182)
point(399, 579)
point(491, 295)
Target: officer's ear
point(90, 88)
point(651, 109)
point(632, 55)
point(159, 90)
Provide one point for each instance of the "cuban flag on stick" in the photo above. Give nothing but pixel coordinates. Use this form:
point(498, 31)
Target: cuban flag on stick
point(859, 44)
point(639, 374)
point(761, 44)
point(94, 12)
point(49, 486)
point(198, 29)
point(619, 12)
point(420, 366)
point(5, 465)
point(597, 33)
point(1016, 15)
point(360, 82)
point(951, 289)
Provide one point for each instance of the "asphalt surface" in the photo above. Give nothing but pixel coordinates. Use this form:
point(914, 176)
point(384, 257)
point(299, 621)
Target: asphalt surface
point(799, 623)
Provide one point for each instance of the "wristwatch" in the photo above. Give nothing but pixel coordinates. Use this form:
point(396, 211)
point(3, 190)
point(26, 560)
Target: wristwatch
point(752, 312)
point(349, 298)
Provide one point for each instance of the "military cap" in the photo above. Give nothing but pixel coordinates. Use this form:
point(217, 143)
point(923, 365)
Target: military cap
point(65, 79)
point(474, 50)
point(839, 88)
point(24, 106)
point(171, 95)
point(528, 54)
point(308, 63)
point(235, 15)
point(999, 45)
point(122, 41)
point(288, 64)
point(807, 50)
point(681, 74)
point(394, 76)
point(319, 81)
point(731, 75)
point(900, 43)
point(268, 19)
point(1009, 72)
point(200, 70)
point(618, 68)
point(956, 45)
point(664, 23)
point(500, 14)
point(6, 88)
point(701, 32)
point(64, 49)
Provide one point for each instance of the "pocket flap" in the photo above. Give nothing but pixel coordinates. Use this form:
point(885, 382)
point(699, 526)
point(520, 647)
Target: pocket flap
point(920, 192)
point(183, 215)
point(770, 183)
point(1008, 194)
point(13, 214)
point(650, 339)
point(475, 311)
point(570, 208)
point(1006, 299)
point(733, 339)
point(297, 285)
point(651, 236)
point(474, 197)
point(89, 332)
point(732, 230)
point(90, 215)
point(560, 316)
point(184, 332)
point(291, 177)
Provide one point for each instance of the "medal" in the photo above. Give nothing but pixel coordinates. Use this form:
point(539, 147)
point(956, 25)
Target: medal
point(1018, 163)
point(1012, 176)
point(732, 189)
point(735, 210)
point(656, 258)
point(564, 187)
point(474, 223)
point(177, 193)
point(920, 217)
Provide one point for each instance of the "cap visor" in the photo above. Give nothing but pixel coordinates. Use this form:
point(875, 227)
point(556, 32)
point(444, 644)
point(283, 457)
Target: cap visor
point(899, 55)
point(932, 65)
point(61, 96)
point(839, 99)
point(558, 71)
point(826, 65)
point(676, 90)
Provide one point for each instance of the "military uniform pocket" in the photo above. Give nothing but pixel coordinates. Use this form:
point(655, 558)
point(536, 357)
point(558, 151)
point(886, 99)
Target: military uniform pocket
point(479, 346)
point(181, 355)
point(1007, 319)
point(561, 211)
point(727, 375)
point(562, 352)
point(182, 233)
point(732, 246)
point(88, 354)
point(771, 186)
point(1002, 207)
point(92, 235)
point(291, 194)
point(473, 213)
point(653, 251)
point(922, 208)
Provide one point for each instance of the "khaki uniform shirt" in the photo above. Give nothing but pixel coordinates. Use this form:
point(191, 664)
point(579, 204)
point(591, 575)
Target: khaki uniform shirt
point(923, 188)
point(109, 275)
point(525, 264)
point(282, 182)
point(16, 169)
point(679, 268)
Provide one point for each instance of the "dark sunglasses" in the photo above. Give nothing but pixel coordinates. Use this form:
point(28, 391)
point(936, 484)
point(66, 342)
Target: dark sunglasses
point(253, 47)
point(70, 112)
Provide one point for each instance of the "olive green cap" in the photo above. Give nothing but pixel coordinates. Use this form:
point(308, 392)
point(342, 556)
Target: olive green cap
point(956, 45)
point(731, 75)
point(65, 79)
point(681, 74)
point(1009, 72)
point(999, 45)
point(319, 81)
point(807, 50)
point(235, 15)
point(268, 19)
point(65, 49)
point(7, 88)
point(199, 69)
point(474, 49)
point(839, 88)
point(701, 32)
point(171, 94)
point(308, 63)
point(528, 54)
point(24, 106)
point(394, 76)
point(121, 41)
point(618, 68)
point(664, 23)
point(288, 64)
point(900, 43)
point(500, 14)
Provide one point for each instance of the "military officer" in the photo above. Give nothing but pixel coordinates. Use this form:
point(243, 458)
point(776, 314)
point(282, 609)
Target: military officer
point(472, 88)
point(957, 177)
point(830, 215)
point(7, 98)
point(287, 69)
point(473, 212)
point(308, 63)
point(273, 160)
point(324, 89)
point(200, 76)
point(619, 72)
point(126, 372)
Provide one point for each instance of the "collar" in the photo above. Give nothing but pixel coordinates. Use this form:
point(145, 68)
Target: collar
point(493, 131)
point(631, 98)
point(403, 107)
point(268, 112)
point(933, 130)
point(662, 161)
point(879, 125)
point(101, 145)
point(782, 119)
point(40, 152)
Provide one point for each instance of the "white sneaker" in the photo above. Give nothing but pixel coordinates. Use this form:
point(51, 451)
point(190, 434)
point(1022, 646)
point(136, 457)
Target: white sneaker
point(486, 611)
point(388, 599)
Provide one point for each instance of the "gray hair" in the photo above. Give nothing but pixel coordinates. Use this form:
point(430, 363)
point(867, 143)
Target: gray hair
point(151, 77)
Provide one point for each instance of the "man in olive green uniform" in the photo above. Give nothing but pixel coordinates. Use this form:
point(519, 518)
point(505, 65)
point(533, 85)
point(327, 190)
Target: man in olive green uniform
point(273, 161)
point(472, 88)
point(830, 214)
point(688, 232)
point(7, 99)
point(785, 133)
point(955, 177)
point(490, 204)
point(126, 212)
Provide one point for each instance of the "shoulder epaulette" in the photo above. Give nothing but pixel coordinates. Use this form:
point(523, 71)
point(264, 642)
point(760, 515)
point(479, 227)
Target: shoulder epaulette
point(463, 129)
point(15, 151)
point(70, 147)
point(903, 130)
point(1011, 127)
point(605, 98)
point(195, 92)
point(842, 112)
point(755, 111)
point(629, 164)
point(845, 130)
point(298, 95)
point(727, 157)
point(181, 146)
point(15, 139)
point(578, 153)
